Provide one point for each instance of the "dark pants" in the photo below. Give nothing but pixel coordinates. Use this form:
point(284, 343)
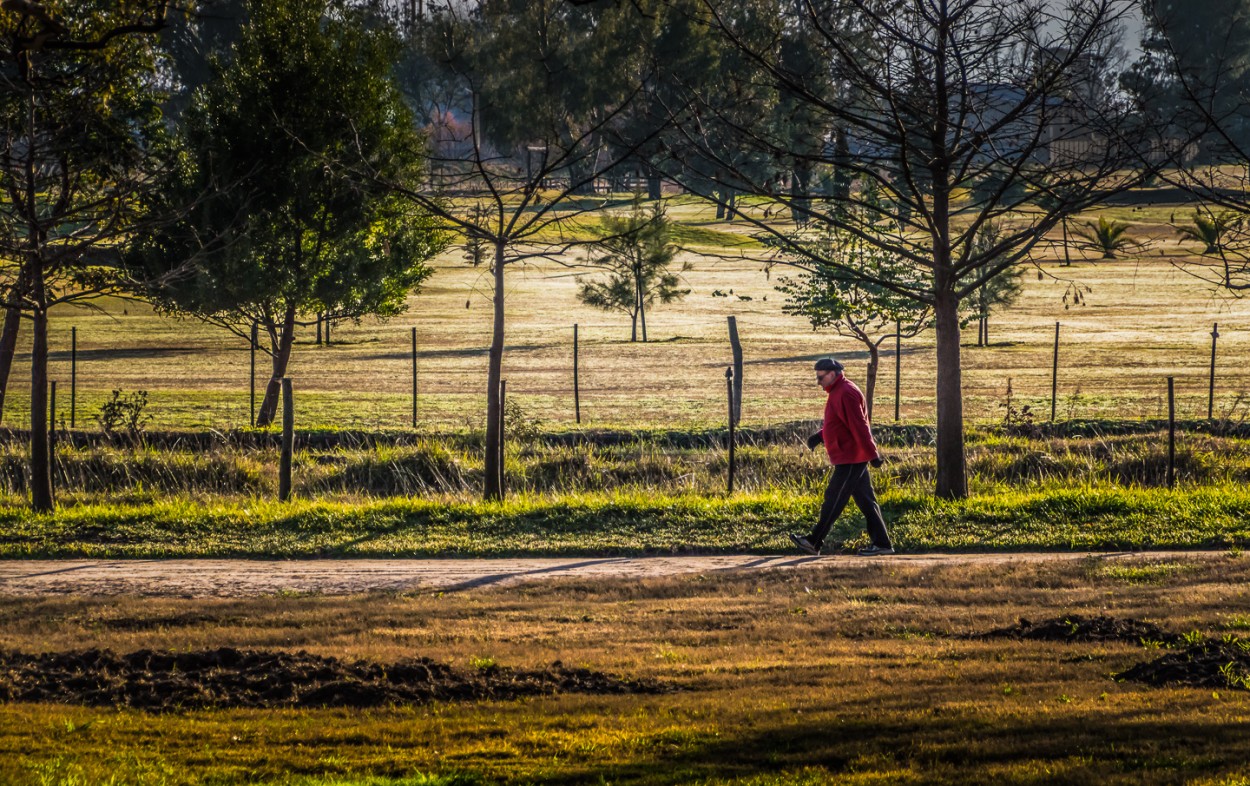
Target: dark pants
point(846, 481)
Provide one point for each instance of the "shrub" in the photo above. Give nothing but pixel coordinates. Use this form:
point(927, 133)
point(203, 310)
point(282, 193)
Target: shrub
point(124, 412)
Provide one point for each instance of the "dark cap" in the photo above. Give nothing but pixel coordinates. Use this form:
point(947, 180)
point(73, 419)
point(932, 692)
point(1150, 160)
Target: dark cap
point(828, 364)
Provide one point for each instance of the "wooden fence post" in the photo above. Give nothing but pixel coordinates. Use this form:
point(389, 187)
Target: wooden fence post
point(52, 439)
point(73, 377)
point(577, 393)
point(729, 394)
point(52, 425)
point(736, 403)
point(1215, 334)
point(898, 364)
point(253, 375)
point(1171, 432)
point(1054, 376)
point(288, 441)
point(414, 377)
point(503, 392)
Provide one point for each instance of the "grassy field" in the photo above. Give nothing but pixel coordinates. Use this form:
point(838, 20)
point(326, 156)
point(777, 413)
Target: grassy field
point(858, 674)
point(864, 674)
point(1143, 319)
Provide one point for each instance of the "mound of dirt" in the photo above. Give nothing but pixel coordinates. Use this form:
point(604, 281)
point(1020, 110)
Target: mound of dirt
point(1215, 664)
point(1075, 627)
point(226, 677)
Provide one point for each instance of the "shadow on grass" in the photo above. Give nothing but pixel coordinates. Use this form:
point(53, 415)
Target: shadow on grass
point(496, 578)
point(119, 353)
point(470, 352)
point(1081, 747)
point(844, 356)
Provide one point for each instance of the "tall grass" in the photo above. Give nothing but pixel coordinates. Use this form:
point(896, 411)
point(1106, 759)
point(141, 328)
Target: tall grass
point(356, 467)
point(615, 493)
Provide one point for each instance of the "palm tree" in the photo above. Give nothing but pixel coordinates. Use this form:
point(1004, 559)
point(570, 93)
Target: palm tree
point(1106, 236)
point(1210, 228)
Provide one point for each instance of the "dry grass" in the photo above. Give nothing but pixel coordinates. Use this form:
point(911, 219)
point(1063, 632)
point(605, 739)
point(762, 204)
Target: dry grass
point(1144, 320)
point(862, 674)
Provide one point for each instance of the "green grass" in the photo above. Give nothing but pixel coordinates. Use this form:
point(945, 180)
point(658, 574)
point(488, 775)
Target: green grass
point(1144, 573)
point(624, 524)
point(373, 494)
point(690, 236)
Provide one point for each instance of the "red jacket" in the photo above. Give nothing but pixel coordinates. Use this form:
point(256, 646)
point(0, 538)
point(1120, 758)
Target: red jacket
point(847, 435)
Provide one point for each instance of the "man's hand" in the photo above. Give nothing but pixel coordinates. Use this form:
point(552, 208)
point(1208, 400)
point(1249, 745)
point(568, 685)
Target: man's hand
point(815, 439)
point(877, 462)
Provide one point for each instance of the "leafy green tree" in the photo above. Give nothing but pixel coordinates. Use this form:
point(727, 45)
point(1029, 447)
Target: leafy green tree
point(853, 306)
point(1192, 76)
point(638, 250)
point(282, 229)
point(79, 116)
point(1193, 81)
point(193, 39)
point(999, 290)
point(706, 154)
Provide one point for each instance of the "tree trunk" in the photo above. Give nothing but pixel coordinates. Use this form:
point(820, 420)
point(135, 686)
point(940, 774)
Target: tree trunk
point(8, 345)
point(720, 209)
point(281, 358)
point(654, 188)
point(633, 326)
point(580, 180)
point(952, 481)
point(800, 190)
point(492, 486)
point(41, 499)
point(842, 174)
point(642, 310)
point(870, 379)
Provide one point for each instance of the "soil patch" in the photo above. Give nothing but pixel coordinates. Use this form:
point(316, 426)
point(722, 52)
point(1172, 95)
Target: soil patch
point(1075, 627)
point(1222, 664)
point(226, 677)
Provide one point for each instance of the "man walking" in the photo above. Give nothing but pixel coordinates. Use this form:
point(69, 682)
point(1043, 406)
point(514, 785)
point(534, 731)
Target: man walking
point(847, 437)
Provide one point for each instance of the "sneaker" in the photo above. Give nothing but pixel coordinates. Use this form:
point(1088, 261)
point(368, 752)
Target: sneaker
point(804, 545)
point(875, 551)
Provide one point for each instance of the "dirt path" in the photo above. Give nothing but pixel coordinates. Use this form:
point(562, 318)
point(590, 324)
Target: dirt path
point(239, 578)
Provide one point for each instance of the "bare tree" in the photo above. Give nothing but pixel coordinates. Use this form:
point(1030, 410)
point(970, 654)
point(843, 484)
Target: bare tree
point(959, 112)
point(522, 126)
